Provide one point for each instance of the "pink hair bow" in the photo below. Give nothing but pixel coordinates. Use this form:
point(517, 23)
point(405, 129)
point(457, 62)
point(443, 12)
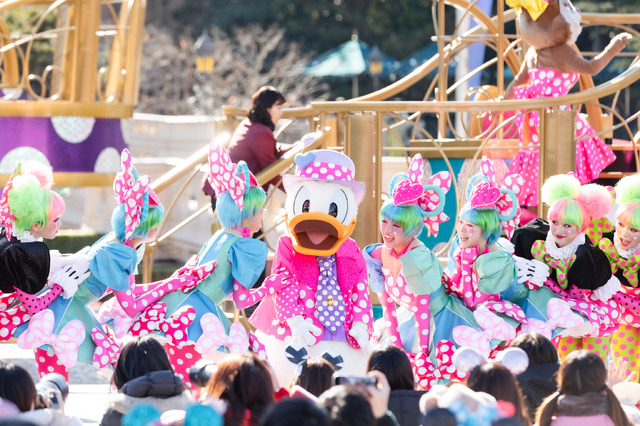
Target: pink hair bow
point(408, 189)
point(214, 336)
point(65, 344)
point(494, 328)
point(107, 350)
point(136, 195)
point(225, 176)
point(6, 217)
point(560, 315)
point(503, 198)
point(175, 327)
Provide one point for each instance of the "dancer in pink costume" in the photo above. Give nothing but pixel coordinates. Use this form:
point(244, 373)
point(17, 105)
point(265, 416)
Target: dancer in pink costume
point(551, 68)
point(68, 330)
point(319, 299)
point(579, 271)
point(30, 212)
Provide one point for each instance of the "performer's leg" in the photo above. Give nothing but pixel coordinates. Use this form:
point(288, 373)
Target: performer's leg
point(568, 344)
point(600, 345)
point(49, 364)
point(625, 344)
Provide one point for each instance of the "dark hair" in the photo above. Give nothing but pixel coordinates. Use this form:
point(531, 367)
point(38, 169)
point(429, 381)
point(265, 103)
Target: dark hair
point(296, 411)
point(347, 406)
point(498, 382)
point(244, 382)
point(315, 375)
point(394, 363)
point(16, 385)
point(140, 356)
point(438, 416)
point(263, 99)
point(539, 349)
point(582, 372)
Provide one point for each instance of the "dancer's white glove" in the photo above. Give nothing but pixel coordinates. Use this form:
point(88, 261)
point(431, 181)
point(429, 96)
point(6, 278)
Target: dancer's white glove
point(303, 331)
point(533, 270)
point(70, 276)
point(361, 335)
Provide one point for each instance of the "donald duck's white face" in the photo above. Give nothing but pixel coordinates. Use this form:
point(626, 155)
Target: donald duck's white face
point(321, 215)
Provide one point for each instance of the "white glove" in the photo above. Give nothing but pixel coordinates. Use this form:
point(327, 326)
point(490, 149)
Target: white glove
point(310, 138)
point(361, 335)
point(532, 270)
point(303, 331)
point(58, 260)
point(606, 291)
point(71, 276)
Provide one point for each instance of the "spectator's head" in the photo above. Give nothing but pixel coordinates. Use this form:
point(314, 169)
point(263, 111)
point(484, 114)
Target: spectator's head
point(347, 406)
point(582, 372)
point(539, 349)
point(243, 381)
point(394, 363)
point(498, 382)
point(262, 102)
point(140, 356)
point(314, 375)
point(16, 386)
point(467, 406)
point(296, 412)
point(440, 417)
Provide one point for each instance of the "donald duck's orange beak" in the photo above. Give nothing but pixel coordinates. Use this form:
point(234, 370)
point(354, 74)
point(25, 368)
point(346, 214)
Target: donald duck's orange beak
point(318, 234)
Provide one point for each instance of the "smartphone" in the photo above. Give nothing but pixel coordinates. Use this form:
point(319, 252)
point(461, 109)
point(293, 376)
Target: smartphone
point(356, 380)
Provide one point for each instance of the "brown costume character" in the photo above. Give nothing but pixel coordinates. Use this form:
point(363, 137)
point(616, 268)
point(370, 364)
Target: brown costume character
point(552, 65)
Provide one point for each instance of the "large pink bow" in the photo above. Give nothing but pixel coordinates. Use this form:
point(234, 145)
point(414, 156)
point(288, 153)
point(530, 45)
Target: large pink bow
point(6, 217)
point(175, 327)
point(224, 176)
point(107, 350)
point(560, 315)
point(507, 202)
point(444, 369)
point(111, 310)
point(10, 319)
point(65, 344)
point(493, 327)
point(213, 336)
point(132, 193)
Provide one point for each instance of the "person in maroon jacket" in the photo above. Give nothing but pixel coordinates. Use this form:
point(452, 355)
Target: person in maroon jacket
point(253, 140)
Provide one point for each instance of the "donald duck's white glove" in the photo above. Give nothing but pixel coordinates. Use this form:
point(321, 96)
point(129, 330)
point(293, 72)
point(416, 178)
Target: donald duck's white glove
point(533, 271)
point(361, 335)
point(302, 331)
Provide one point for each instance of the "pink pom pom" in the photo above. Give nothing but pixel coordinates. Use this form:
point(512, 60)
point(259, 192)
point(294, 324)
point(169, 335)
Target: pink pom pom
point(595, 199)
point(40, 171)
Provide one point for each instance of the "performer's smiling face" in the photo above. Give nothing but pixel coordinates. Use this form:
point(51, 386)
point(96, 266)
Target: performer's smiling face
point(628, 235)
point(563, 233)
point(470, 235)
point(392, 235)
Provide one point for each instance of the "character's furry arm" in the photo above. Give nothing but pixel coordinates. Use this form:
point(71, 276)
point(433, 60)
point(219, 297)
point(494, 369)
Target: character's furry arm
point(568, 59)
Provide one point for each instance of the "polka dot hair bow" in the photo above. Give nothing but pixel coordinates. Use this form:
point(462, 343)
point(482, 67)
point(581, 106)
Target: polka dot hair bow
point(65, 344)
point(407, 189)
point(484, 193)
point(493, 327)
point(214, 336)
point(174, 328)
point(6, 218)
point(560, 315)
point(225, 176)
point(107, 350)
point(134, 193)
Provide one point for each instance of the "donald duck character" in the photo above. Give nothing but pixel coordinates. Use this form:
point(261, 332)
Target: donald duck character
point(318, 298)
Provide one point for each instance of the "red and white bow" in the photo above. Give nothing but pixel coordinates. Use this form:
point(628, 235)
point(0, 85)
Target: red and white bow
point(430, 197)
point(445, 369)
point(214, 336)
point(175, 327)
point(6, 217)
point(10, 319)
point(107, 349)
point(225, 176)
point(493, 327)
point(504, 198)
point(560, 315)
point(65, 344)
point(132, 193)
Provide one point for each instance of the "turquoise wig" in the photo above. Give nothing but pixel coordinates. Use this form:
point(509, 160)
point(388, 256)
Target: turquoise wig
point(487, 219)
point(154, 218)
point(408, 216)
point(230, 215)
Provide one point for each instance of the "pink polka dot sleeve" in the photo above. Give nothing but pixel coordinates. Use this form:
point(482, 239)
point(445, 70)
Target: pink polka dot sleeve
point(35, 303)
point(243, 298)
point(390, 317)
point(132, 303)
